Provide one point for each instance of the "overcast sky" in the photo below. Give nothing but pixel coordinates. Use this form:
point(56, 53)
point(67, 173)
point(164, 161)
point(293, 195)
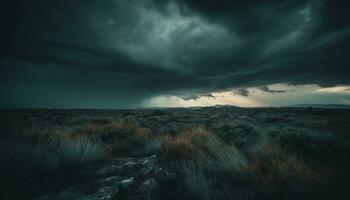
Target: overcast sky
point(139, 53)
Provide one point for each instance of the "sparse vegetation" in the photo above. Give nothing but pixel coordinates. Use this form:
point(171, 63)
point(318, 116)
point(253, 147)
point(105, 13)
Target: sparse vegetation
point(39, 165)
point(189, 144)
point(247, 154)
point(195, 179)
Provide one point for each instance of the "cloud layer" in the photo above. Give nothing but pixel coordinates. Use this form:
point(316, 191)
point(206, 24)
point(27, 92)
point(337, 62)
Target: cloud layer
point(116, 53)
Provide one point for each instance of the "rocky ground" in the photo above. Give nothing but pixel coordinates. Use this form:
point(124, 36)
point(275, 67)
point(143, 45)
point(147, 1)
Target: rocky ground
point(122, 178)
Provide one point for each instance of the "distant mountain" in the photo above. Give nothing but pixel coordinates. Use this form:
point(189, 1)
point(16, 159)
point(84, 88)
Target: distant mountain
point(343, 106)
point(224, 106)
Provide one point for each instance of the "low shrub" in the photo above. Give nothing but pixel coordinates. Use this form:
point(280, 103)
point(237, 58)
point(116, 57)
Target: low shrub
point(189, 144)
point(206, 165)
point(178, 148)
point(121, 137)
point(241, 134)
point(272, 171)
point(320, 146)
point(109, 131)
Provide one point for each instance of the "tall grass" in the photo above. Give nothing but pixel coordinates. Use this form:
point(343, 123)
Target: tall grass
point(228, 158)
point(122, 138)
point(189, 144)
point(208, 166)
point(272, 169)
point(79, 151)
point(195, 179)
point(32, 166)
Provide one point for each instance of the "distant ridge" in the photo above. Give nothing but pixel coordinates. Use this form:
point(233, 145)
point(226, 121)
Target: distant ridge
point(343, 106)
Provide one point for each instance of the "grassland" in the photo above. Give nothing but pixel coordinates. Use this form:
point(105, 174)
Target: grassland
point(195, 153)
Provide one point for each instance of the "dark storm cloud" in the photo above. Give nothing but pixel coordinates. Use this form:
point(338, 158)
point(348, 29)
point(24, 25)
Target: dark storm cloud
point(194, 96)
point(282, 39)
point(116, 49)
point(267, 89)
point(242, 92)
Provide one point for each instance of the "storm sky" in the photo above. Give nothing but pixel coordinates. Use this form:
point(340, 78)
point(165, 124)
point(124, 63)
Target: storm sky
point(141, 53)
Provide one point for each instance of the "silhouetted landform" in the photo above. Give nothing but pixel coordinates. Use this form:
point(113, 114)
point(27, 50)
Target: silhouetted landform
point(342, 106)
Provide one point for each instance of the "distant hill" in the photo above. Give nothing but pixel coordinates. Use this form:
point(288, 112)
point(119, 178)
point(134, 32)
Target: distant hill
point(343, 106)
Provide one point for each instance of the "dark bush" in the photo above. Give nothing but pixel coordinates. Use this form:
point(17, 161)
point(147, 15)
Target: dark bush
point(241, 134)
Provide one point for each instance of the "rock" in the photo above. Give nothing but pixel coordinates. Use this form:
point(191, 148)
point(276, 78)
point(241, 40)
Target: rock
point(122, 178)
point(110, 179)
point(148, 185)
point(128, 181)
point(128, 167)
point(129, 164)
point(106, 193)
point(126, 184)
point(148, 165)
point(125, 188)
point(107, 170)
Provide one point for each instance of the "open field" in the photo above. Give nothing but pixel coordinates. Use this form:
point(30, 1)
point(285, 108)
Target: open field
point(194, 153)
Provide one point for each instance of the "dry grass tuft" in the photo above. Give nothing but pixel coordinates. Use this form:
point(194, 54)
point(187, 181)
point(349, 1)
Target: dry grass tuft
point(271, 166)
point(189, 144)
point(120, 137)
point(178, 148)
point(108, 128)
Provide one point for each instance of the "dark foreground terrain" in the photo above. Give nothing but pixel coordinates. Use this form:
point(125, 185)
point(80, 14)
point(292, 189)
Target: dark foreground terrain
point(200, 153)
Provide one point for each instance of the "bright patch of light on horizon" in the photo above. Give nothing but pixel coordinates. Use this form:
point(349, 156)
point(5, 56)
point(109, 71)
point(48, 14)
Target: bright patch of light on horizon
point(336, 89)
point(219, 98)
point(292, 95)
